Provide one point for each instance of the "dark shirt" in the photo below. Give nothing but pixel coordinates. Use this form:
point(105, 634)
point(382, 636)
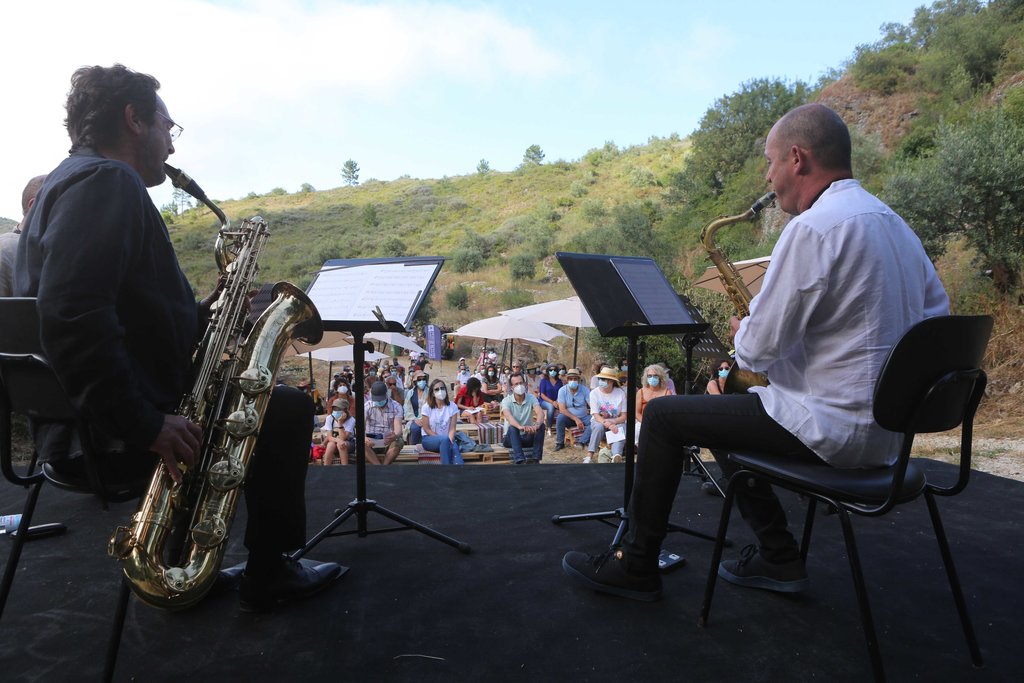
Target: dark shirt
point(118, 318)
point(549, 389)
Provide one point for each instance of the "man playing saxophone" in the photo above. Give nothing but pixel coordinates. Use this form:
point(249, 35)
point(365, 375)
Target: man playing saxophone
point(119, 323)
point(847, 278)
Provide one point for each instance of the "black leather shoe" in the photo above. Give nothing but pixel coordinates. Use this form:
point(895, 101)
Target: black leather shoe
point(559, 446)
point(293, 580)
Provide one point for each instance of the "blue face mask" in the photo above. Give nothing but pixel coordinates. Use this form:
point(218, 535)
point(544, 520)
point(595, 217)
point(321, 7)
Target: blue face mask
point(380, 404)
point(573, 384)
point(421, 383)
point(723, 373)
point(653, 381)
point(553, 373)
point(602, 384)
point(336, 414)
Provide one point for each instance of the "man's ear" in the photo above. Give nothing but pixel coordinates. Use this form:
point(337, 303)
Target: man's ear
point(800, 158)
point(132, 120)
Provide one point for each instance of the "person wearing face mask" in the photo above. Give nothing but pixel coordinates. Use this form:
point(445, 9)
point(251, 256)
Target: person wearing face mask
point(524, 423)
point(573, 409)
point(716, 385)
point(463, 375)
point(547, 394)
point(415, 399)
point(608, 413)
point(383, 426)
point(491, 386)
point(339, 433)
point(437, 420)
point(655, 385)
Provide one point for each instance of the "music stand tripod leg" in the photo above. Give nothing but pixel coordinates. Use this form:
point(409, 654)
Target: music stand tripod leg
point(361, 505)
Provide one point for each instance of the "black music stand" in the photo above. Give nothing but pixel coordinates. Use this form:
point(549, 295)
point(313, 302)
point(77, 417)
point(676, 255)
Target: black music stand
point(627, 296)
point(371, 295)
point(704, 344)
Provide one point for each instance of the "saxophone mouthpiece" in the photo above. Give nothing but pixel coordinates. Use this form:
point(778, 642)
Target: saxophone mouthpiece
point(763, 203)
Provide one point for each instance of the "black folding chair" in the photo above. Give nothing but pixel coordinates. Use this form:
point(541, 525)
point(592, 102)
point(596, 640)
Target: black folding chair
point(29, 387)
point(931, 382)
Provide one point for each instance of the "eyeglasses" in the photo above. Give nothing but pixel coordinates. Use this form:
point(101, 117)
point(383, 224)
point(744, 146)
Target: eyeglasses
point(174, 129)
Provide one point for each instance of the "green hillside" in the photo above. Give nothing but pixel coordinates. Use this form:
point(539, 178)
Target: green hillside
point(481, 222)
point(936, 110)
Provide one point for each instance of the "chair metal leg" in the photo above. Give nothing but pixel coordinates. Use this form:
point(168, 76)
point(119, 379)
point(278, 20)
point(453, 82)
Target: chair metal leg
point(716, 554)
point(867, 622)
point(954, 579)
point(18, 543)
point(114, 644)
point(805, 541)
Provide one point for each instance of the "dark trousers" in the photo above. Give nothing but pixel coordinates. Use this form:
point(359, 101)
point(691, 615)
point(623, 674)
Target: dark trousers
point(275, 488)
point(732, 423)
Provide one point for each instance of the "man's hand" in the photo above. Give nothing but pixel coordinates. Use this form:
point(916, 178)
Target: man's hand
point(734, 326)
point(390, 438)
point(178, 441)
point(209, 299)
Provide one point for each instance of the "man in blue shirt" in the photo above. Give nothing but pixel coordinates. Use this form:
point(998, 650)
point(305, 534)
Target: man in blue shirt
point(573, 409)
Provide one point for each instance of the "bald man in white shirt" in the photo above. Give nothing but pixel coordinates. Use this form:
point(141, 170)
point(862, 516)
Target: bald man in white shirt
point(847, 279)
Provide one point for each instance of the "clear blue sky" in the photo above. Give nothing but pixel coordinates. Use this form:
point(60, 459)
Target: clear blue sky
point(281, 93)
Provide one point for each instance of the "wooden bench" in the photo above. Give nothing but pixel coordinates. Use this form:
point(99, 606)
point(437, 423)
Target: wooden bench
point(410, 454)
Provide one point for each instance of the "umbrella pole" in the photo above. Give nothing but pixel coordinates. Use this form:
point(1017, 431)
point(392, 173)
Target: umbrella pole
point(575, 347)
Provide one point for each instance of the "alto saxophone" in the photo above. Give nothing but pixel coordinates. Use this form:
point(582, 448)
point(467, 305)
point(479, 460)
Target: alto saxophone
point(739, 380)
point(234, 374)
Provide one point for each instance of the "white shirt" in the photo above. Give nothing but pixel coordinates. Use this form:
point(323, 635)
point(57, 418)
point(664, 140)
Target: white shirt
point(847, 279)
point(439, 418)
point(330, 424)
point(611, 404)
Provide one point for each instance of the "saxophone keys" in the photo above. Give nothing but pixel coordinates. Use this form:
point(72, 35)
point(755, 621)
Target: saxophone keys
point(255, 380)
point(209, 532)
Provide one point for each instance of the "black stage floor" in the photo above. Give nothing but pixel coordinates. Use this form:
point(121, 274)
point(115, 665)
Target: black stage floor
point(412, 608)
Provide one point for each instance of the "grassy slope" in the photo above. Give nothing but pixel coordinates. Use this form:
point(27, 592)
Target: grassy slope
point(431, 217)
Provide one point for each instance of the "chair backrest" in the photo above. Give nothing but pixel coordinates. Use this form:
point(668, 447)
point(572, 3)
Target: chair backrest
point(29, 384)
point(930, 376)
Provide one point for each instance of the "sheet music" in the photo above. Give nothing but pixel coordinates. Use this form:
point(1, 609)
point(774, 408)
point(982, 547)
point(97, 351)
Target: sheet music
point(351, 293)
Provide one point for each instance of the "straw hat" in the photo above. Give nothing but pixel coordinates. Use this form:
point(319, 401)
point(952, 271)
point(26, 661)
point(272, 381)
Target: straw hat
point(609, 373)
point(573, 372)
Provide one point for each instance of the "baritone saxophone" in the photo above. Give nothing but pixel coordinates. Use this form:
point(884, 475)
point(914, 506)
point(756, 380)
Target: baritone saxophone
point(234, 370)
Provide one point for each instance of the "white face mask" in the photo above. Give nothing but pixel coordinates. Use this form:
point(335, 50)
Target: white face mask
point(602, 384)
point(342, 389)
point(519, 389)
point(440, 394)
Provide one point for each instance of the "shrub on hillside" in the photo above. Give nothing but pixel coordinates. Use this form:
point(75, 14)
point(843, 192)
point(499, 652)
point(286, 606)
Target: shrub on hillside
point(457, 297)
point(467, 260)
point(522, 267)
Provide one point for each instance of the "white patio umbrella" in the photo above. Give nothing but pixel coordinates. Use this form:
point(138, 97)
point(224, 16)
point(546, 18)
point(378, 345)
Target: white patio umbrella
point(504, 327)
point(343, 354)
point(570, 312)
point(751, 270)
point(396, 339)
point(330, 340)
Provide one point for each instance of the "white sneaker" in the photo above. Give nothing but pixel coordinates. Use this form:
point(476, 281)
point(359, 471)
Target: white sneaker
point(616, 458)
point(587, 460)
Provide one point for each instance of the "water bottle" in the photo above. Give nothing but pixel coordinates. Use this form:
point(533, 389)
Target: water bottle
point(9, 523)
